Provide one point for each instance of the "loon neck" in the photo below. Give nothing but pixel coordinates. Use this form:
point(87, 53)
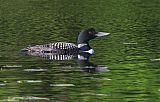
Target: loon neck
point(82, 44)
point(84, 47)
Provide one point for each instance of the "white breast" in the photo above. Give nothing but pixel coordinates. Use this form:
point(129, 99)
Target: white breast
point(91, 51)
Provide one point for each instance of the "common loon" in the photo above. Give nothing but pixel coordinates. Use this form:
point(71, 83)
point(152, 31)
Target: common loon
point(68, 48)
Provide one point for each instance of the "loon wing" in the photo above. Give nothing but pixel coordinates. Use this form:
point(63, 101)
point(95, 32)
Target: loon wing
point(61, 45)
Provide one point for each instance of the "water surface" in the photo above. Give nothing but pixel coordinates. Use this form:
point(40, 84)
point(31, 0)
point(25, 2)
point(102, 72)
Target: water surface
point(130, 54)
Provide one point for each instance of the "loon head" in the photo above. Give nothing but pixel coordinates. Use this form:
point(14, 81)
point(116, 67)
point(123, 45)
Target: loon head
point(88, 34)
point(85, 36)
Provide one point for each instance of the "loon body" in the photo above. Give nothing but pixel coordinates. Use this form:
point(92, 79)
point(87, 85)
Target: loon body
point(57, 48)
point(64, 48)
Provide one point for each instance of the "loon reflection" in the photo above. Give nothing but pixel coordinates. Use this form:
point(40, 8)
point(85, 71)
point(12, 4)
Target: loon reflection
point(82, 58)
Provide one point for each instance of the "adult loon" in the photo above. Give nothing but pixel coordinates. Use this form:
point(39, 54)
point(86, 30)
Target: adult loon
point(68, 48)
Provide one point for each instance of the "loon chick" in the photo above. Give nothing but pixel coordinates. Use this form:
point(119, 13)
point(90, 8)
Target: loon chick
point(68, 48)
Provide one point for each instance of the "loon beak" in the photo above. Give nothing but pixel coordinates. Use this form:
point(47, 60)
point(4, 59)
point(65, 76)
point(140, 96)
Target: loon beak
point(101, 33)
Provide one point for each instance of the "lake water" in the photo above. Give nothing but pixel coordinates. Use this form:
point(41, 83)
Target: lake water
point(128, 59)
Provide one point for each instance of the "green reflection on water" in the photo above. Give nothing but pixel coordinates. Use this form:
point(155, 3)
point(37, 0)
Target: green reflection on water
point(131, 51)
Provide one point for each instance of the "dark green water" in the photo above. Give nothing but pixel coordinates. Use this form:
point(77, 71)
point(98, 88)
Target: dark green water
point(131, 52)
